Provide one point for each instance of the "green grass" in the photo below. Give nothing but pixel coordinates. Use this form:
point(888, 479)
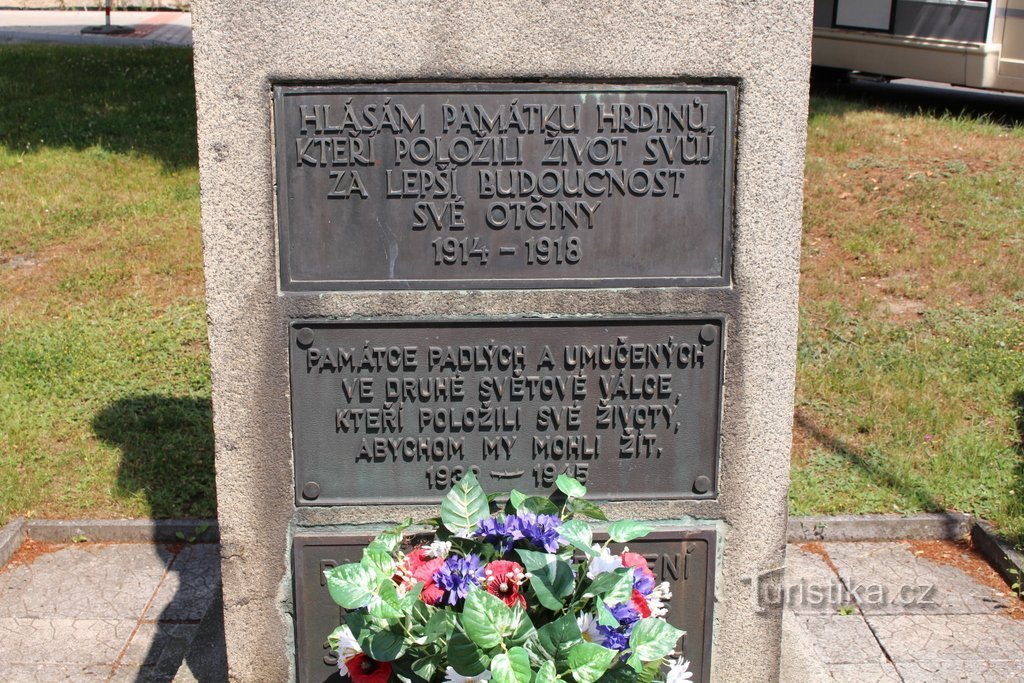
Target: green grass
point(104, 377)
point(910, 389)
point(911, 378)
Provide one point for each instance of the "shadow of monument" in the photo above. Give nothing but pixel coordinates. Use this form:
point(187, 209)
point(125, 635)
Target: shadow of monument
point(166, 445)
point(876, 468)
point(1017, 502)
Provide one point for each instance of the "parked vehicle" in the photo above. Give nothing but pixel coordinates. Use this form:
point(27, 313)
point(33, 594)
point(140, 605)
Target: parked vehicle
point(975, 43)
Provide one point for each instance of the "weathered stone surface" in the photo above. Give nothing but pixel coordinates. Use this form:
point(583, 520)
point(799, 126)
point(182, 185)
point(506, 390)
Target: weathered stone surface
point(812, 587)
point(189, 587)
point(887, 578)
point(27, 640)
point(842, 639)
point(85, 581)
point(864, 672)
point(950, 637)
point(975, 670)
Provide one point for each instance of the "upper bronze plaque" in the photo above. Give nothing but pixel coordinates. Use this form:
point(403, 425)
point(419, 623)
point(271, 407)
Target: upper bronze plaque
point(502, 185)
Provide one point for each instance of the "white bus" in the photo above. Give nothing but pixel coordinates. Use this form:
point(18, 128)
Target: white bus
point(974, 43)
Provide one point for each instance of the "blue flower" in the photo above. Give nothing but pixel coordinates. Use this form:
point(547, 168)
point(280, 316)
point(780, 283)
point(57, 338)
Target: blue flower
point(625, 614)
point(458, 575)
point(499, 532)
point(541, 530)
point(614, 638)
point(643, 582)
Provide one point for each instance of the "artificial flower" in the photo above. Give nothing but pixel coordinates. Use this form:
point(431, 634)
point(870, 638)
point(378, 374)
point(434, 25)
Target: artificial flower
point(348, 648)
point(588, 628)
point(453, 676)
point(500, 531)
point(603, 562)
point(540, 530)
point(656, 600)
point(643, 578)
point(458, 575)
point(362, 669)
point(678, 671)
point(415, 568)
point(438, 549)
point(503, 579)
point(639, 603)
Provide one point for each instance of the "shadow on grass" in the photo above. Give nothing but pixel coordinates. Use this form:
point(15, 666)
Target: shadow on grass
point(120, 100)
point(166, 447)
point(1017, 501)
point(934, 100)
point(877, 469)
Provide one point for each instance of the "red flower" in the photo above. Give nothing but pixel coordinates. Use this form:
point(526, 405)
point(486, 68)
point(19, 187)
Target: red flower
point(418, 568)
point(503, 579)
point(640, 604)
point(637, 560)
point(362, 669)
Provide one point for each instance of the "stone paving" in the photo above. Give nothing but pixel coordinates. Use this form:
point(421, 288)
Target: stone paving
point(885, 612)
point(109, 612)
point(51, 26)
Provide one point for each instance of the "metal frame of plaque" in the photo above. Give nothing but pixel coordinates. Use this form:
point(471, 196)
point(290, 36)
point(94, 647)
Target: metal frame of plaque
point(316, 614)
point(630, 406)
point(490, 185)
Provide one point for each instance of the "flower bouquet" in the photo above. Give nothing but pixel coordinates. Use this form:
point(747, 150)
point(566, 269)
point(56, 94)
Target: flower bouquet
point(513, 593)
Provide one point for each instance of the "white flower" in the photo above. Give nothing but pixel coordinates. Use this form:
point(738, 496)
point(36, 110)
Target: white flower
point(657, 599)
point(438, 549)
point(604, 562)
point(678, 671)
point(588, 627)
point(452, 676)
point(347, 648)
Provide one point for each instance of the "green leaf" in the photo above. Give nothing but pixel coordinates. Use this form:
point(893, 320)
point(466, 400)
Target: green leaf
point(651, 640)
point(351, 585)
point(578, 535)
point(588, 509)
point(391, 539)
point(570, 486)
point(516, 498)
point(589, 661)
point(464, 656)
point(546, 673)
point(605, 616)
point(465, 504)
point(612, 587)
point(511, 667)
point(384, 646)
point(627, 530)
point(483, 616)
point(377, 558)
point(649, 672)
point(620, 673)
point(439, 626)
point(385, 603)
point(539, 505)
point(558, 637)
point(424, 667)
point(551, 578)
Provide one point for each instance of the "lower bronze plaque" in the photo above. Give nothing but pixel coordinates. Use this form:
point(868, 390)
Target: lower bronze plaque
point(686, 559)
point(630, 407)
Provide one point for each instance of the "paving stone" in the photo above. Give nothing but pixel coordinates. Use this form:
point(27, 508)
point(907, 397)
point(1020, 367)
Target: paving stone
point(46, 673)
point(839, 639)
point(97, 581)
point(976, 671)
point(811, 585)
point(864, 672)
point(63, 641)
point(917, 638)
point(887, 578)
point(155, 652)
point(189, 587)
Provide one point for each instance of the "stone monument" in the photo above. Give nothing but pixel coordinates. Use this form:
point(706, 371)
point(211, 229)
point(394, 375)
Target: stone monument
point(515, 239)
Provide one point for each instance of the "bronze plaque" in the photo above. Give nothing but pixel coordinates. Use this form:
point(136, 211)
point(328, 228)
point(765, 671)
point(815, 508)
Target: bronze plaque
point(503, 185)
point(686, 559)
point(396, 411)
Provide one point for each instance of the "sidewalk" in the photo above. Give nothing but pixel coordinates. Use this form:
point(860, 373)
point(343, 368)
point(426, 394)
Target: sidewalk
point(172, 29)
point(855, 611)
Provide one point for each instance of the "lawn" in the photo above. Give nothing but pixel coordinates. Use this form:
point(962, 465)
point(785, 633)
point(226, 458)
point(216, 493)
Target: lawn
point(911, 363)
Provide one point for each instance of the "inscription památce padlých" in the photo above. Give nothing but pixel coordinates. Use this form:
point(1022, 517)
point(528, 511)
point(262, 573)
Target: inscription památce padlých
point(683, 558)
point(493, 185)
point(629, 407)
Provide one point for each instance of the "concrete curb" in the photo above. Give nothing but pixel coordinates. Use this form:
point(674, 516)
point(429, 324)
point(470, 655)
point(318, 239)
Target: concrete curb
point(929, 526)
point(11, 537)
point(14, 36)
point(1003, 558)
point(121, 530)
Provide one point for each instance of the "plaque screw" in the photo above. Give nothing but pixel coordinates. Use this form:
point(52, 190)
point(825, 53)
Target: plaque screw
point(708, 333)
point(311, 490)
point(305, 336)
point(701, 484)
